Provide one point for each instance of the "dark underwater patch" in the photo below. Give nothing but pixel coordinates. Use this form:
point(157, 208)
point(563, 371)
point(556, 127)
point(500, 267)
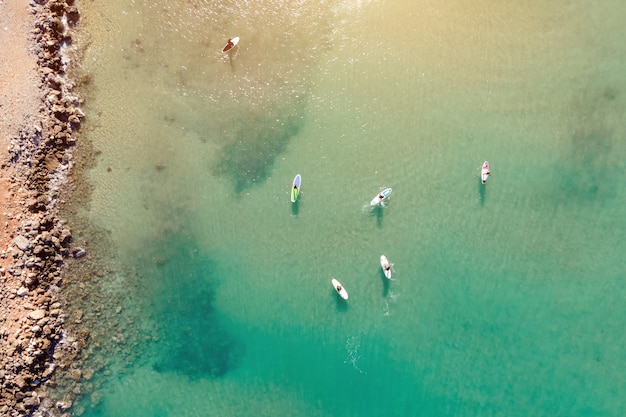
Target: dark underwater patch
point(190, 338)
point(250, 158)
point(587, 166)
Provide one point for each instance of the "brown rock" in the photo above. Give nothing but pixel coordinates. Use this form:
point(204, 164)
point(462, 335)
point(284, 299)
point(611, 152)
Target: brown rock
point(30, 402)
point(88, 374)
point(37, 314)
point(45, 344)
point(75, 374)
point(19, 382)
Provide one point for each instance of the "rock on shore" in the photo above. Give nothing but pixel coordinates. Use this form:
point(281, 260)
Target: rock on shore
point(32, 339)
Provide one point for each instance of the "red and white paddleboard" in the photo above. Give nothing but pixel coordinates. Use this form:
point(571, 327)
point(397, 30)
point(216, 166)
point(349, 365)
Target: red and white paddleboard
point(232, 42)
point(484, 172)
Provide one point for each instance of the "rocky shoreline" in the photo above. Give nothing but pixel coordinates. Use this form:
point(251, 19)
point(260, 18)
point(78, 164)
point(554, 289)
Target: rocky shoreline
point(33, 339)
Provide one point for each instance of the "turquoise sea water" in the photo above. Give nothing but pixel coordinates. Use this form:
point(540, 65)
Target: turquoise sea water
point(506, 299)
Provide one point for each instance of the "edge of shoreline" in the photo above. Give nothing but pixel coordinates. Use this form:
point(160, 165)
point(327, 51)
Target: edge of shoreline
point(33, 338)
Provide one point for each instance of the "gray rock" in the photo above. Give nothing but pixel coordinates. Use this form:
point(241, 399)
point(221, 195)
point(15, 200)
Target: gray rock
point(21, 242)
point(78, 252)
point(64, 405)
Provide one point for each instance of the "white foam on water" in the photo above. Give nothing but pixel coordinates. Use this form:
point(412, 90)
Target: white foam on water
point(353, 349)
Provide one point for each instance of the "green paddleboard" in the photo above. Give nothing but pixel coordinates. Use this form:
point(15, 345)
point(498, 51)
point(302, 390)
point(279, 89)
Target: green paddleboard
point(295, 189)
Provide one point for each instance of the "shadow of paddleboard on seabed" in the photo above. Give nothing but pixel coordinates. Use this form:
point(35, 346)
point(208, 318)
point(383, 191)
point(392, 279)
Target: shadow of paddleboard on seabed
point(482, 190)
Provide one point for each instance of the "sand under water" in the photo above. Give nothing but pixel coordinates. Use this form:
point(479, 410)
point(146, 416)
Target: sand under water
point(205, 291)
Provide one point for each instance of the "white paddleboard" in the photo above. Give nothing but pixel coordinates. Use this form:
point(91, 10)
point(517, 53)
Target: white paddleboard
point(384, 263)
point(484, 172)
point(232, 42)
point(339, 288)
point(380, 197)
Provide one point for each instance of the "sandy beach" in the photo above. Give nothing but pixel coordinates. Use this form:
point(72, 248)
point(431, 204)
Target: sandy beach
point(19, 94)
point(37, 122)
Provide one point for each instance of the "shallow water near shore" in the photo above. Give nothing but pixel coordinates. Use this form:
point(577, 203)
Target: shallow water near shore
point(506, 298)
